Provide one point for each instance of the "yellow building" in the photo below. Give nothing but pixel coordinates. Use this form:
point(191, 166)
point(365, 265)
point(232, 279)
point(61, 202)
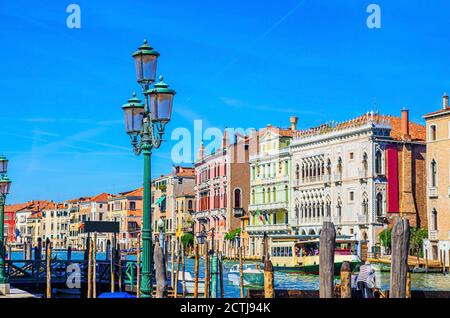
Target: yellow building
point(126, 208)
point(438, 181)
point(184, 207)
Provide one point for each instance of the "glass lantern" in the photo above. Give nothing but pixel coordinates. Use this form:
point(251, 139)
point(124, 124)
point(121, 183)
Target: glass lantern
point(145, 59)
point(5, 185)
point(3, 164)
point(161, 99)
point(134, 112)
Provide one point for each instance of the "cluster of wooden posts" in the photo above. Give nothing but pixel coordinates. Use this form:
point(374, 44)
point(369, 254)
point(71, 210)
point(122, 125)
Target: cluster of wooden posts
point(213, 282)
point(400, 280)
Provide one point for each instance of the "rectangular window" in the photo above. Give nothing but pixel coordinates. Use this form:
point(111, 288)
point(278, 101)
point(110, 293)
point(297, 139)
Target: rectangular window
point(433, 132)
point(132, 206)
point(351, 155)
point(351, 196)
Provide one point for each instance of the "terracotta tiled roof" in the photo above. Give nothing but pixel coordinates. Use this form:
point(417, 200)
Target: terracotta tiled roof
point(185, 172)
point(16, 207)
point(441, 111)
point(283, 132)
point(102, 197)
point(416, 131)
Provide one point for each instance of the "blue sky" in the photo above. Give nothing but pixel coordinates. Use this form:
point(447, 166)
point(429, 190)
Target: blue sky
point(233, 63)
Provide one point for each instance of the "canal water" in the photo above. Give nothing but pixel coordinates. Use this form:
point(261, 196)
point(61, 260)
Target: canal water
point(286, 280)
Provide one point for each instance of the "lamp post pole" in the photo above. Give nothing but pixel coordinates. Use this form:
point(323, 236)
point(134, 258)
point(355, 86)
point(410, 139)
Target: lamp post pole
point(3, 278)
point(147, 245)
point(145, 124)
point(5, 184)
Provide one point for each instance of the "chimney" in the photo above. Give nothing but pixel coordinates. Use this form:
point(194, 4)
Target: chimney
point(201, 151)
point(225, 139)
point(445, 101)
point(405, 124)
point(293, 120)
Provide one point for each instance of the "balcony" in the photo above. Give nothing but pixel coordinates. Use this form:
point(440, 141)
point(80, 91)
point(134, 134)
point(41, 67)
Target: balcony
point(238, 212)
point(363, 219)
point(327, 178)
point(269, 206)
point(268, 228)
point(362, 173)
point(433, 235)
point(433, 192)
point(337, 177)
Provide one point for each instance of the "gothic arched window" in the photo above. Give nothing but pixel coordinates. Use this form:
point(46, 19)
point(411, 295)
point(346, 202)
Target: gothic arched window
point(378, 162)
point(379, 204)
point(237, 198)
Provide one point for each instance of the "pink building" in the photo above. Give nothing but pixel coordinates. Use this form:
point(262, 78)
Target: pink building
point(222, 191)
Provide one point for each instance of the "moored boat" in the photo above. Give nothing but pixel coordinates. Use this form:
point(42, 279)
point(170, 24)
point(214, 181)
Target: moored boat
point(302, 256)
point(253, 275)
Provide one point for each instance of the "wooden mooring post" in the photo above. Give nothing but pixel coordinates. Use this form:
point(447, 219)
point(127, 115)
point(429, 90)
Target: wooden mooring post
point(112, 268)
point(89, 273)
point(269, 287)
point(326, 260)
point(241, 274)
point(346, 274)
point(183, 269)
point(448, 254)
point(222, 288)
point(94, 267)
point(172, 256)
point(207, 278)
point(196, 266)
point(48, 257)
point(160, 271)
point(399, 258)
point(177, 269)
point(408, 285)
point(119, 266)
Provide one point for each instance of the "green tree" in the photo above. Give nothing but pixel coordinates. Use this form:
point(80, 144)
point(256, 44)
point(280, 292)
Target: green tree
point(416, 238)
point(385, 238)
point(232, 234)
point(187, 240)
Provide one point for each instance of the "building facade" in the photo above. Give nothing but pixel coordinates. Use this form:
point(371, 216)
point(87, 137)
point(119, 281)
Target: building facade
point(126, 208)
point(438, 183)
point(55, 225)
point(222, 191)
point(169, 192)
point(93, 209)
point(358, 174)
point(269, 187)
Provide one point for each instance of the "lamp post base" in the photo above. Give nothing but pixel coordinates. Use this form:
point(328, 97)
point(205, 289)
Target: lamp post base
point(4, 289)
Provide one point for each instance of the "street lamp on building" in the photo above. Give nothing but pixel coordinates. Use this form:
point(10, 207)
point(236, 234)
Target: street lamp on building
point(145, 124)
point(5, 185)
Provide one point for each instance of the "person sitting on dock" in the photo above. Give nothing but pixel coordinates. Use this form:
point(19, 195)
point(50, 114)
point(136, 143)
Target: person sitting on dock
point(365, 280)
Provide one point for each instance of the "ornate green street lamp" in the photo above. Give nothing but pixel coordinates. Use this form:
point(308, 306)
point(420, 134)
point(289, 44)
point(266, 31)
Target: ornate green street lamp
point(5, 185)
point(145, 124)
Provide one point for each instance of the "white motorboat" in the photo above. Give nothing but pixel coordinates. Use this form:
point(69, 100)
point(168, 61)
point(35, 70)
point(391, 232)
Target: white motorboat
point(253, 275)
point(190, 283)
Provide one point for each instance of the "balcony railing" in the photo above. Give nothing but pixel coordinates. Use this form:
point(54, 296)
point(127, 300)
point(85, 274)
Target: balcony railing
point(238, 212)
point(268, 206)
point(337, 177)
point(327, 178)
point(433, 235)
point(362, 173)
point(268, 228)
point(363, 219)
point(433, 192)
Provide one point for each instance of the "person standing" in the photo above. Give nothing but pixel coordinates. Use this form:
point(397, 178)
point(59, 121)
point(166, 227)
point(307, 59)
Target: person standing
point(365, 280)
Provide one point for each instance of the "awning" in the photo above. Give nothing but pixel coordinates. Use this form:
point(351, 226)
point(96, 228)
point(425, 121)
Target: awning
point(158, 202)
